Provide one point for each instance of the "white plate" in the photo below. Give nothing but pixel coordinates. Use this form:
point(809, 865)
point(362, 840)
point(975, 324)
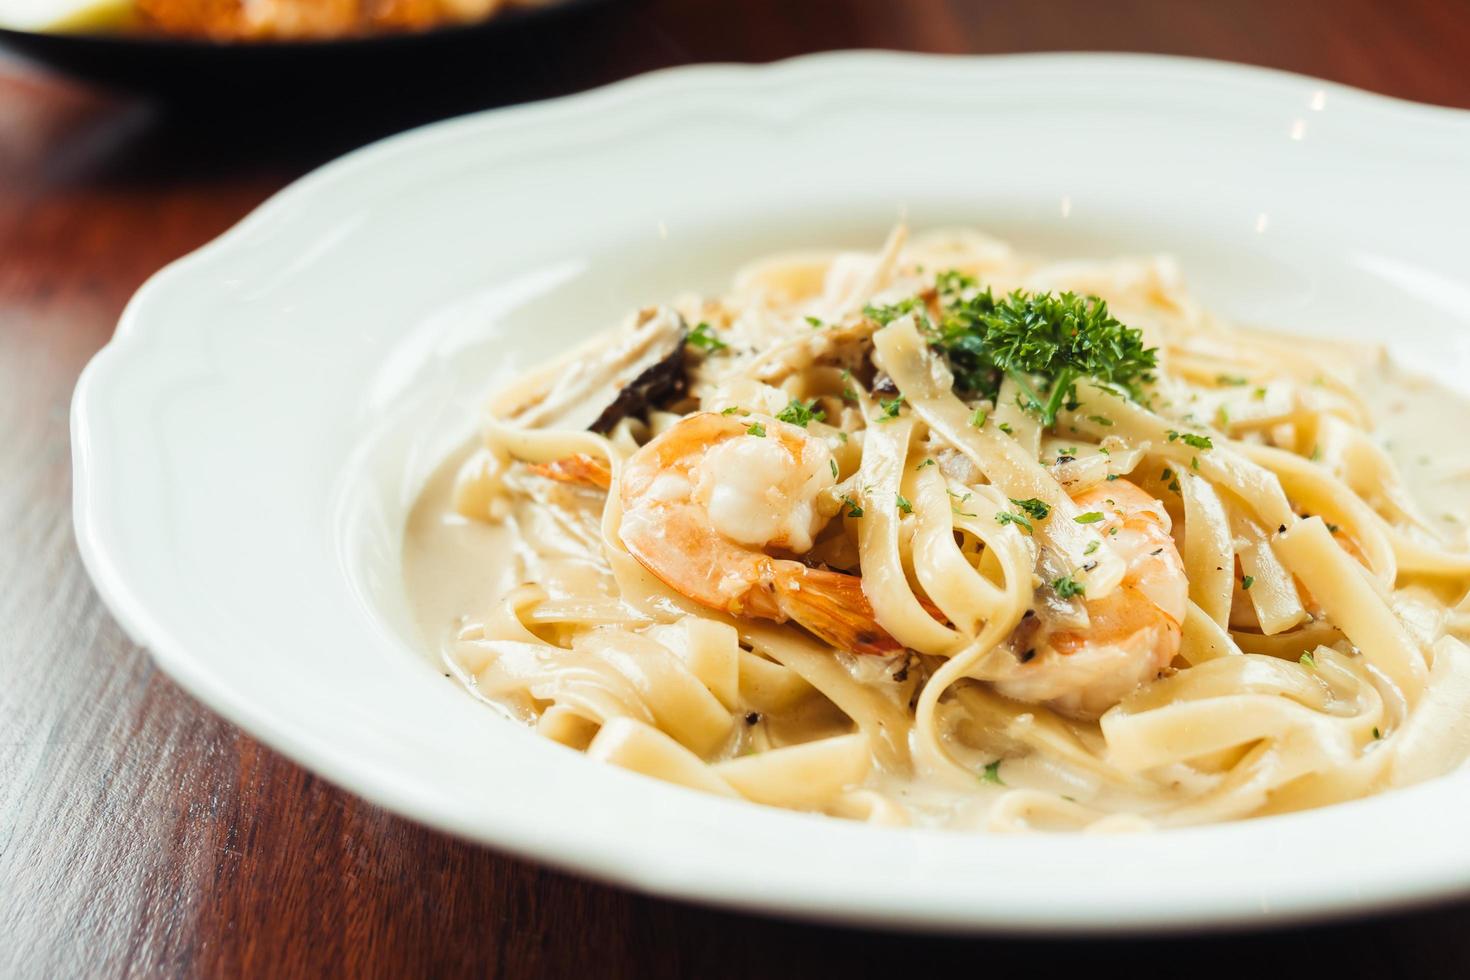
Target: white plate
point(247, 446)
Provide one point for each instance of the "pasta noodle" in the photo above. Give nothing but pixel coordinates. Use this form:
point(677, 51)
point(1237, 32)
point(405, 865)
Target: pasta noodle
point(918, 537)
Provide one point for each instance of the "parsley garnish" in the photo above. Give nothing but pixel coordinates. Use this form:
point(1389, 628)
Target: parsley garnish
point(956, 500)
point(1091, 547)
point(927, 462)
point(904, 505)
point(1229, 379)
point(1005, 427)
point(1246, 582)
point(1191, 440)
point(992, 773)
point(1091, 517)
point(952, 282)
point(1067, 587)
point(833, 464)
point(798, 413)
point(756, 429)
point(1044, 342)
point(890, 408)
point(1376, 732)
point(894, 311)
point(1308, 660)
point(703, 337)
point(731, 410)
point(1006, 517)
point(853, 510)
point(977, 419)
point(1100, 419)
point(814, 321)
point(1037, 509)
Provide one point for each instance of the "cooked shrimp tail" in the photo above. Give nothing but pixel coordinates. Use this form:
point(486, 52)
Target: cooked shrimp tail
point(580, 469)
point(831, 605)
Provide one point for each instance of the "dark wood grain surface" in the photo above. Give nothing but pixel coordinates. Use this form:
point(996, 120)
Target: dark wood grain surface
point(141, 835)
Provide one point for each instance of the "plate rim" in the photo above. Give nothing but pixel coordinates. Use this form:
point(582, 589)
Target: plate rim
point(150, 630)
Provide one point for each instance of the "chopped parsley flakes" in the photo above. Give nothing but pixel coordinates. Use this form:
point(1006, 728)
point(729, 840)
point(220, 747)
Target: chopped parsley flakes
point(1006, 517)
point(800, 413)
point(703, 337)
point(890, 407)
point(1037, 509)
point(1191, 440)
point(992, 773)
point(1091, 517)
point(956, 500)
point(1066, 587)
point(756, 429)
point(886, 314)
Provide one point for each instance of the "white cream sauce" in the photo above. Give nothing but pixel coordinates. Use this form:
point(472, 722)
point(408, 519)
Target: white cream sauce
point(1426, 429)
point(456, 570)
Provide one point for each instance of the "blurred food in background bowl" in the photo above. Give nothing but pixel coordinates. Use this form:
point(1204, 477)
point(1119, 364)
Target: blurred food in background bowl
point(250, 20)
point(220, 51)
point(244, 20)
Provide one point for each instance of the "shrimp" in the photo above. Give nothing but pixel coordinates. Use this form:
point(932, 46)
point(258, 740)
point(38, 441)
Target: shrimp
point(703, 500)
point(1083, 665)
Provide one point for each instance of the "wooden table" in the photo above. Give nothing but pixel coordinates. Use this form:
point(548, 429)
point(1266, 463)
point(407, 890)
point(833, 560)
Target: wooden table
point(141, 835)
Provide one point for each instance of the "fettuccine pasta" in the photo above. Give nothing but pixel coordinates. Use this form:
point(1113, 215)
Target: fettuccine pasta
point(948, 535)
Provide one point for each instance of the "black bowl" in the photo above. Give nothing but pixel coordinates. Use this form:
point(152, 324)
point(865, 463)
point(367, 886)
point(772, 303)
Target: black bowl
point(204, 70)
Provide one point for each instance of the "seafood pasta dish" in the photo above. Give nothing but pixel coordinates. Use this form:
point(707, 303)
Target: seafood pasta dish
point(944, 534)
